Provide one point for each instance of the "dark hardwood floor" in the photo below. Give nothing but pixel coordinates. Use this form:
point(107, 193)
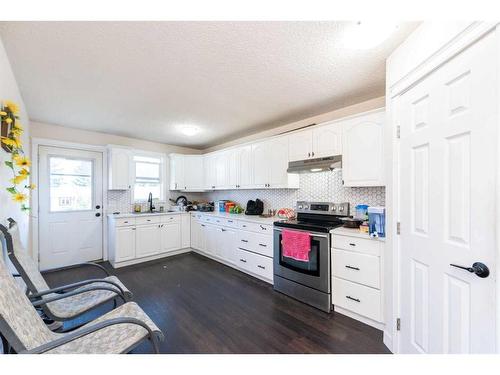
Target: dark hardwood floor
point(203, 306)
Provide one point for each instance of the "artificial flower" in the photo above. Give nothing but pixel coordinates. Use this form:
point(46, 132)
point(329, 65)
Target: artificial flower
point(19, 197)
point(8, 121)
point(17, 131)
point(2, 113)
point(22, 161)
point(12, 142)
point(31, 186)
point(17, 125)
point(18, 179)
point(12, 106)
point(24, 172)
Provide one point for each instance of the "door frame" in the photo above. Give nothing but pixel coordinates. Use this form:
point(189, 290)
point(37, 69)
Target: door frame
point(36, 143)
point(450, 48)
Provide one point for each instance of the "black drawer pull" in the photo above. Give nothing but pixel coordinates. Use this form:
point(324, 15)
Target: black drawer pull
point(261, 244)
point(261, 266)
point(352, 299)
point(244, 240)
point(263, 228)
point(352, 268)
point(352, 244)
point(243, 260)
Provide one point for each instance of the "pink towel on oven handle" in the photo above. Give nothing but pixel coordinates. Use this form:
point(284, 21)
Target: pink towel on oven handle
point(296, 245)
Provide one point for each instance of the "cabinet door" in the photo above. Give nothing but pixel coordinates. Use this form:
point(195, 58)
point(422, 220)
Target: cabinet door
point(260, 161)
point(363, 151)
point(221, 170)
point(119, 169)
point(210, 239)
point(278, 162)
point(170, 237)
point(300, 145)
point(209, 171)
point(124, 244)
point(147, 240)
point(185, 231)
point(327, 140)
point(233, 177)
point(219, 242)
point(193, 172)
point(230, 245)
point(177, 181)
point(194, 233)
point(202, 237)
point(245, 167)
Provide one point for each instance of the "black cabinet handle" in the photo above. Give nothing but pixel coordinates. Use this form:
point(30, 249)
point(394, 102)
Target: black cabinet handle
point(352, 244)
point(243, 260)
point(261, 244)
point(352, 299)
point(261, 266)
point(352, 268)
point(263, 227)
point(478, 268)
point(244, 240)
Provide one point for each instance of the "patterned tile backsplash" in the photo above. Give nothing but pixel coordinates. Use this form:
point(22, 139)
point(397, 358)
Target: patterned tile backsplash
point(322, 187)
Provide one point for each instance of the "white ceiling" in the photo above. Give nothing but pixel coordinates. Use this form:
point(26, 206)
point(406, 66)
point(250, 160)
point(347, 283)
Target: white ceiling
point(144, 79)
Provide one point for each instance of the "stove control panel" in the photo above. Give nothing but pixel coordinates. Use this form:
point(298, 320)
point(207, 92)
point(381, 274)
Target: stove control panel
point(326, 208)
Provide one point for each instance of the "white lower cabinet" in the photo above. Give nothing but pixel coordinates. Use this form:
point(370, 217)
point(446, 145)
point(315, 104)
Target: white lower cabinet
point(147, 240)
point(138, 239)
point(241, 244)
point(356, 277)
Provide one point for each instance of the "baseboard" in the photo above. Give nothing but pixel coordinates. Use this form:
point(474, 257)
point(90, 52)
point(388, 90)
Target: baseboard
point(388, 341)
point(152, 257)
point(362, 319)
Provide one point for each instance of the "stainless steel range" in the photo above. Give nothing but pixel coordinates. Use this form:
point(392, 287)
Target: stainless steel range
point(309, 281)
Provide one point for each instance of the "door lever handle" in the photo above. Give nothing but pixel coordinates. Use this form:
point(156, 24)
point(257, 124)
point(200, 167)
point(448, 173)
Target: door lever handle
point(478, 268)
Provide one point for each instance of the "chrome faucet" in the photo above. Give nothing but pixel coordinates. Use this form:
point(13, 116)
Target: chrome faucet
point(150, 201)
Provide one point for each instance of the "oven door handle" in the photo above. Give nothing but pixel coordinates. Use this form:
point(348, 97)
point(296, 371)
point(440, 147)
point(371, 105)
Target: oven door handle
point(312, 234)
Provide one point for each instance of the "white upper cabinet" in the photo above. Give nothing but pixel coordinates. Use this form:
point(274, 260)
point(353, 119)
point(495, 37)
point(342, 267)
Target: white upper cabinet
point(363, 150)
point(210, 177)
point(300, 145)
point(327, 140)
point(316, 142)
point(119, 168)
point(222, 170)
point(278, 163)
point(245, 167)
point(260, 161)
point(177, 169)
point(193, 173)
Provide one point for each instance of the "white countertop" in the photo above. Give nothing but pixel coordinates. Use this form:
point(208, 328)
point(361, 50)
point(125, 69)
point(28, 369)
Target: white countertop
point(354, 232)
point(242, 217)
point(132, 214)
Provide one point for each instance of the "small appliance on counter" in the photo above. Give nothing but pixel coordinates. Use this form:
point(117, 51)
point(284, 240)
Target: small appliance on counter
point(255, 207)
point(220, 206)
point(376, 221)
point(361, 212)
point(204, 207)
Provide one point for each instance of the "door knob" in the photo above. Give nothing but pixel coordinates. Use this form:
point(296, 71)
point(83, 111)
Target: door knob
point(478, 268)
point(97, 207)
point(98, 214)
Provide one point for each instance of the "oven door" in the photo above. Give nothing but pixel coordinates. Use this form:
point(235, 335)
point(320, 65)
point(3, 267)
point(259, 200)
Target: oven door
point(314, 273)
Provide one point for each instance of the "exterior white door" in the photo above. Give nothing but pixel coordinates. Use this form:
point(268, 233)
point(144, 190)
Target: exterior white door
point(70, 204)
point(448, 156)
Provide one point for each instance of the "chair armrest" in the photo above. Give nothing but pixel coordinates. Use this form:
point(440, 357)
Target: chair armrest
point(75, 335)
point(89, 264)
point(64, 288)
point(57, 297)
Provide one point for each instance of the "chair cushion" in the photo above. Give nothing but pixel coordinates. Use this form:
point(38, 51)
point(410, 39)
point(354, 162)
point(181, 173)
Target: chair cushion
point(118, 338)
point(70, 307)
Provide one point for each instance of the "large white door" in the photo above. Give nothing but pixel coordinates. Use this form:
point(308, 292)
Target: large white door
point(448, 172)
point(70, 203)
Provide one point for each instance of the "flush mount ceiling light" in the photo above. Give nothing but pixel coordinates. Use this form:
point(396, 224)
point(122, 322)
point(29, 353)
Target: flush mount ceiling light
point(189, 130)
point(367, 34)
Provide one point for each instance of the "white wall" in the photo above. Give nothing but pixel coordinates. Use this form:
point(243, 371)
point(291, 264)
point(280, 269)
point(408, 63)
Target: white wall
point(10, 91)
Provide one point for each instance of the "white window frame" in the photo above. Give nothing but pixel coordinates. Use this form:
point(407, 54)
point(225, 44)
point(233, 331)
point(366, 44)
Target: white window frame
point(163, 175)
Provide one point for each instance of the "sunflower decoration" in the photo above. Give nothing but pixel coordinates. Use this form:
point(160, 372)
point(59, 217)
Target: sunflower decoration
point(19, 164)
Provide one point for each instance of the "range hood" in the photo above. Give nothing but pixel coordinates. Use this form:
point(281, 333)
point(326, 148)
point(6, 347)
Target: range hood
point(315, 165)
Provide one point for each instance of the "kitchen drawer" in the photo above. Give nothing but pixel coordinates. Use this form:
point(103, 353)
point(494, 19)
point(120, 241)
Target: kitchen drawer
point(360, 245)
point(357, 298)
point(357, 267)
point(255, 227)
point(208, 219)
point(255, 263)
point(169, 219)
point(147, 220)
point(125, 222)
point(232, 223)
point(263, 244)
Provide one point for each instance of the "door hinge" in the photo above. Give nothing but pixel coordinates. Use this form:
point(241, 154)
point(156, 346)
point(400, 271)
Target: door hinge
point(398, 227)
point(398, 324)
point(398, 131)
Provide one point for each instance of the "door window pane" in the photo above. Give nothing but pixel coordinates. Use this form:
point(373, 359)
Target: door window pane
point(71, 184)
